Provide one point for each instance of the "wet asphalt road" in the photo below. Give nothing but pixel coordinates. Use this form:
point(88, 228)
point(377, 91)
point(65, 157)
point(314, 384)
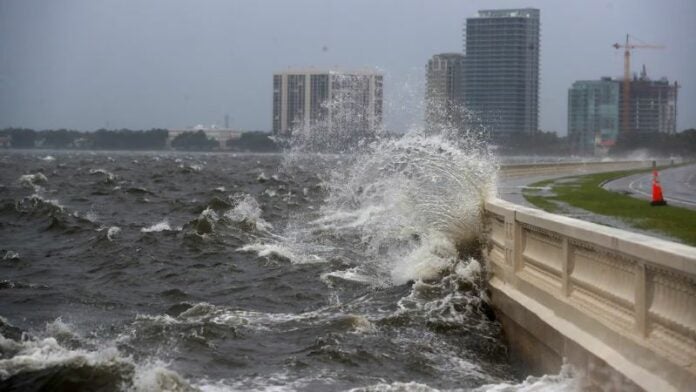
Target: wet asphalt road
point(678, 185)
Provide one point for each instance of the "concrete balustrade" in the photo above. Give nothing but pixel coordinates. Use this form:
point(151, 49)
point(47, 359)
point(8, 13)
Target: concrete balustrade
point(619, 305)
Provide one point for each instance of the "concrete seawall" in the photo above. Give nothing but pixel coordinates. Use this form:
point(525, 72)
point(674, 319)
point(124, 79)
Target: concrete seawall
point(619, 306)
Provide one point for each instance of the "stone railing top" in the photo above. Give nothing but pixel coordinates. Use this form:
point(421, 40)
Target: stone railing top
point(653, 250)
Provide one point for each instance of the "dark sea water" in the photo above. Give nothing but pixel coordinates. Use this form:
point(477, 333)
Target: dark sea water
point(173, 271)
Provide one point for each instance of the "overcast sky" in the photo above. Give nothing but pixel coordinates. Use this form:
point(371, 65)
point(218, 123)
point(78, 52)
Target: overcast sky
point(177, 63)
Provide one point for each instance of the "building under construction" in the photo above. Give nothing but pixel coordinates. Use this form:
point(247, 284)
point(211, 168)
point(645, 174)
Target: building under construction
point(596, 111)
point(652, 106)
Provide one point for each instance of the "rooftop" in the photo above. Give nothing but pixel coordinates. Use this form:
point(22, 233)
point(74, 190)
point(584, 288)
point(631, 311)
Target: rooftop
point(509, 13)
point(328, 71)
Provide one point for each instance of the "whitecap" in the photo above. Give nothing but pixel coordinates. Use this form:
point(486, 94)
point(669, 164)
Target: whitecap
point(37, 199)
point(270, 192)
point(247, 210)
point(112, 232)
point(266, 250)
point(32, 180)
point(396, 387)
point(155, 376)
point(567, 380)
point(352, 275)
point(159, 226)
point(11, 255)
point(110, 177)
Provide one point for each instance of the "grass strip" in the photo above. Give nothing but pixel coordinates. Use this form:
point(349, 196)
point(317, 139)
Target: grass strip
point(586, 192)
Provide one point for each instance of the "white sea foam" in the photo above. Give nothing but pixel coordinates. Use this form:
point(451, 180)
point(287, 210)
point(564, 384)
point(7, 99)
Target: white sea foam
point(110, 177)
point(37, 199)
point(209, 213)
point(247, 210)
point(91, 216)
point(270, 192)
point(396, 387)
point(353, 274)
point(434, 254)
point(568, 380)
point(282, 381)
point(112, 232)
point(30, 355)
point(48, 158)
point(159, 226)
point(11, 255)
point(155, 376)
point(283, 251)
point(33, 355)
point(205, 313)
point(60, 329)
point(32, 180)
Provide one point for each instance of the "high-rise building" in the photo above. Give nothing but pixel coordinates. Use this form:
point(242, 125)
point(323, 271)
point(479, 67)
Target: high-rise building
point(652, 106)
point(327, 100)
point(595, 108)
point(501, 73)
point(444, 89)
point(593, 115)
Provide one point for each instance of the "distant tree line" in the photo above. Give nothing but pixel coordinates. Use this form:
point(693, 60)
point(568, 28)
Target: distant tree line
point(681, 144)
point(102, 139)
point(197, 141)
point(549, 143)
point(538, 143)
point(126, 139)
point(256, 141)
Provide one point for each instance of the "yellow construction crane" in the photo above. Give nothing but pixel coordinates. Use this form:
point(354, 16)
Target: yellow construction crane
point(628, 46)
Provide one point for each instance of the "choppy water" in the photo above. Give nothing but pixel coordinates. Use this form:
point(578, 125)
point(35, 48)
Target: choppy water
point(136, 271)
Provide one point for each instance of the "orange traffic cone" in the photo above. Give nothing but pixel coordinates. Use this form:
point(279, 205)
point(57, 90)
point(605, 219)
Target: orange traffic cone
point(657, 199)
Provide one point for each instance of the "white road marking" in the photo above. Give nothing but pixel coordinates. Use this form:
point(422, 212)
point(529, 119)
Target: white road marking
point(648, 195)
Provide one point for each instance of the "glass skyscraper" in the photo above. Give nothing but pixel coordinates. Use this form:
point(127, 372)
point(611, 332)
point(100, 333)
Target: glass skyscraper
point(501, 72)
point(593, 115)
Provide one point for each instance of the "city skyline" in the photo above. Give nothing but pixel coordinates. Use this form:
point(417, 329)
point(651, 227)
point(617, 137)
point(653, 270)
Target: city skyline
point(166, 64)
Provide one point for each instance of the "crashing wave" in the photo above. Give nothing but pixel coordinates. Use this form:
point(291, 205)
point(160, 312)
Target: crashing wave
point(409, 207)
point(32, 181)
